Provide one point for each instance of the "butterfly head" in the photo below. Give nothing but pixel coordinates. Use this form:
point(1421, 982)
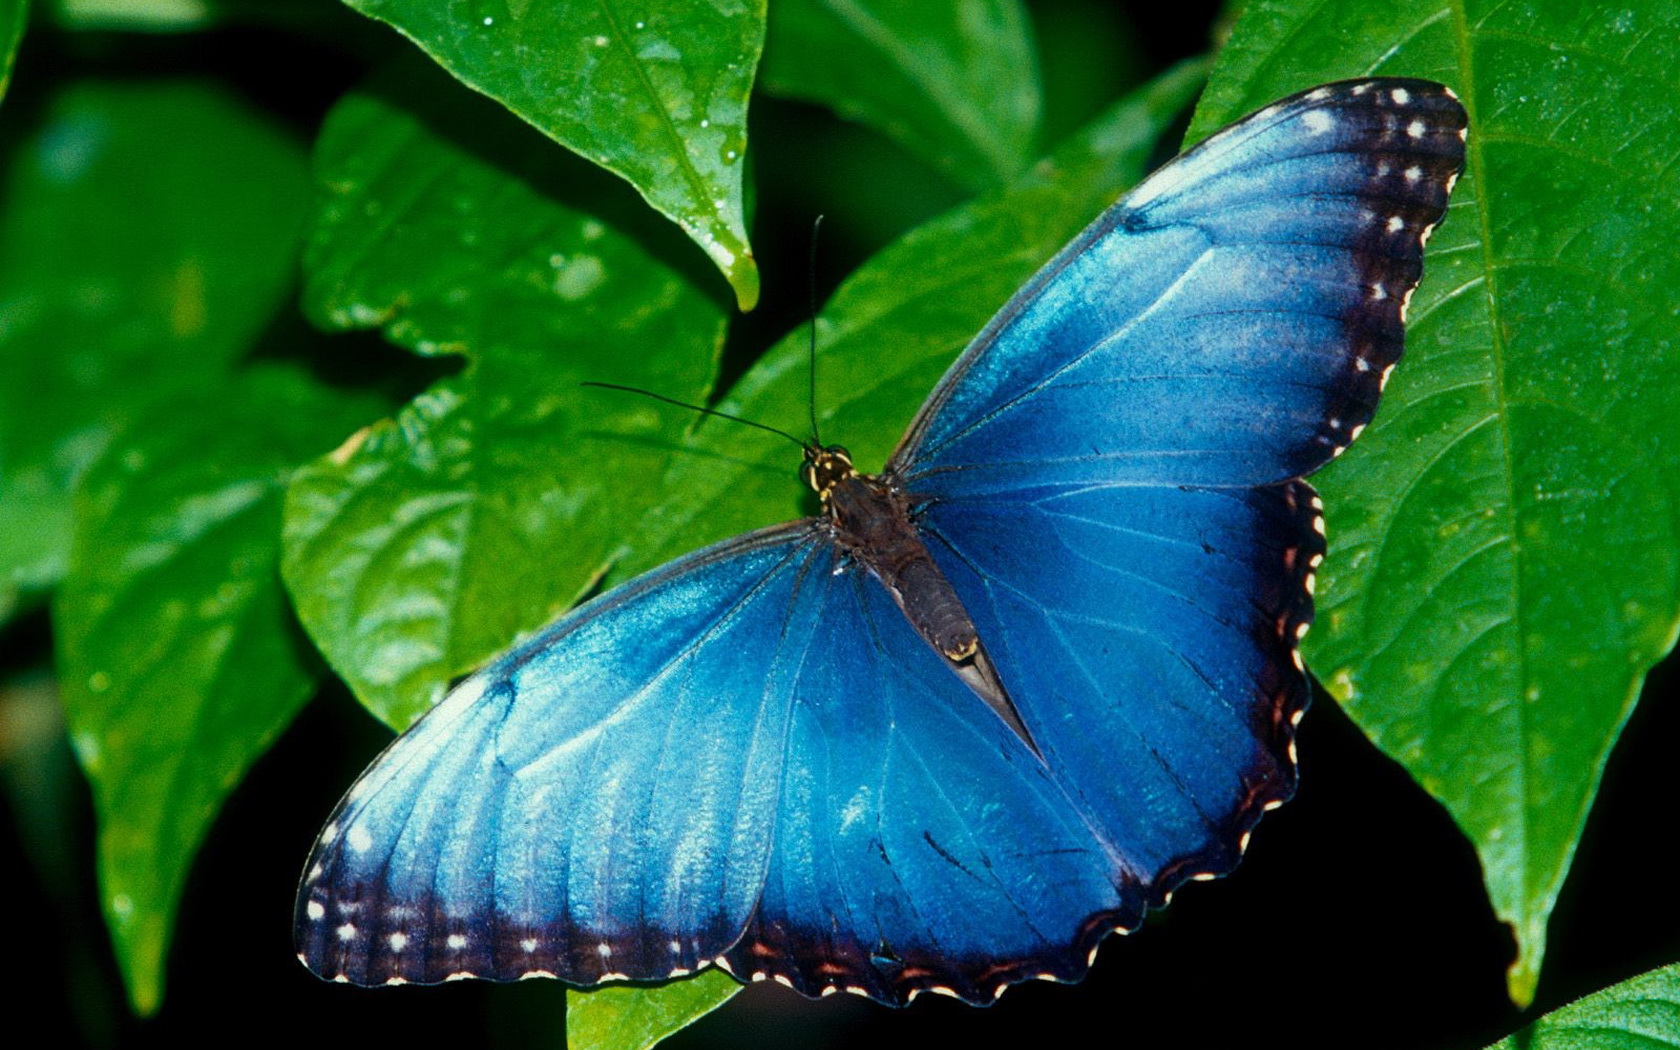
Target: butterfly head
point(826, 466)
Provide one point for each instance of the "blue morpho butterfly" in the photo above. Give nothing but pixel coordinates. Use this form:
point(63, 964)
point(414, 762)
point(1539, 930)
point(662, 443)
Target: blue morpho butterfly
point(994, 702)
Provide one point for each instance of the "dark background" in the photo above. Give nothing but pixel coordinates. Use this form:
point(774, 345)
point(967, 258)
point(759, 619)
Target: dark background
point(1358, 916)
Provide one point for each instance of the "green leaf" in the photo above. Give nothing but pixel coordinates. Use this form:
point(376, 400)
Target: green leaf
point(179, 657)
point(151, 16)
point(14, 15)
point(498, 497)
point(107, 307)
point(956, 84)
point(628, 1018)
point(1503, 564)
point(1638, 1014)
point(655, 90)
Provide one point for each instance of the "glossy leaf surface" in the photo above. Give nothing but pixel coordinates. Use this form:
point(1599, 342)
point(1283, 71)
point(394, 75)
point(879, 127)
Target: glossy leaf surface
point(638, 1018)
point(1639, 1014)
point(1504, 563)
point(456, 232)
point(179, 656)
point(655, 90)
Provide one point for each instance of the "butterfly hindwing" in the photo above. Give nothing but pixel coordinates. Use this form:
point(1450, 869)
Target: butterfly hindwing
point(919, 844)
point(1148, 636)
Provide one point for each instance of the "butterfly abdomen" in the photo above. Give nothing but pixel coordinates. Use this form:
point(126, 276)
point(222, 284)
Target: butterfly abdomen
point(873, 526)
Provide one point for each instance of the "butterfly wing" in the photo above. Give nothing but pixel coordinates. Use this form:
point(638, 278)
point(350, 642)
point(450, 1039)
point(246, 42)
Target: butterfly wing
point(1109, 475)
point(1229, 322)
point(919, 845)
point(750, 753)
point(599, 802)
point(750, 739)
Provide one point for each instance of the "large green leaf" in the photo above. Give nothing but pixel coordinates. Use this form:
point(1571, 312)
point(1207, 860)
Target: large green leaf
point(14, 14)
point(655, 90)
point(178, 654)
point(1503, 567)
point(148, 235)
point(955, 83)
point(1638, 1014)
point(496, 498)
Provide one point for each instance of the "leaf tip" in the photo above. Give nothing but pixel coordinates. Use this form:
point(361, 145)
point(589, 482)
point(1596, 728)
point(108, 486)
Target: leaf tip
point(743, 277)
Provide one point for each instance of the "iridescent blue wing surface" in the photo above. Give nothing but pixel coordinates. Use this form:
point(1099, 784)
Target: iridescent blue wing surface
point(751, 756)
point(919, 844)
point(1109, 476)
point(598, 803)
point(1230, 321)
point(752, 739)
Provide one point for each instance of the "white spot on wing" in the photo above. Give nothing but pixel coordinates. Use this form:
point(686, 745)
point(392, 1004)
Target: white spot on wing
point(1318, 121)
point(358, 839)
point(1395, 224)
point(456, 941)
point(347, 932)
point(1415, 129)
point(398, 941)
point(317, 910)
point(1401, 96)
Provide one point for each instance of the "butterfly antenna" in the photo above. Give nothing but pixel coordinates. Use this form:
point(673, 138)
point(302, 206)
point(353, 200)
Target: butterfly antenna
point(811, 287)
point(696, 408)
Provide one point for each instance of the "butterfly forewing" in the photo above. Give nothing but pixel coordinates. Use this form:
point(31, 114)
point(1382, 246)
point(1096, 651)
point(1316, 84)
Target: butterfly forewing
point(597, 803)
point(750, 757)
point(1230, 321)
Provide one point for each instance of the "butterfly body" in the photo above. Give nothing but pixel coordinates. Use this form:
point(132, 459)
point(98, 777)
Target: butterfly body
point(768, 755)
point(873, 525)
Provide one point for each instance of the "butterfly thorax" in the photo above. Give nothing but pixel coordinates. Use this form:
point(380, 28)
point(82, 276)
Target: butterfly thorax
point(872, 525)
